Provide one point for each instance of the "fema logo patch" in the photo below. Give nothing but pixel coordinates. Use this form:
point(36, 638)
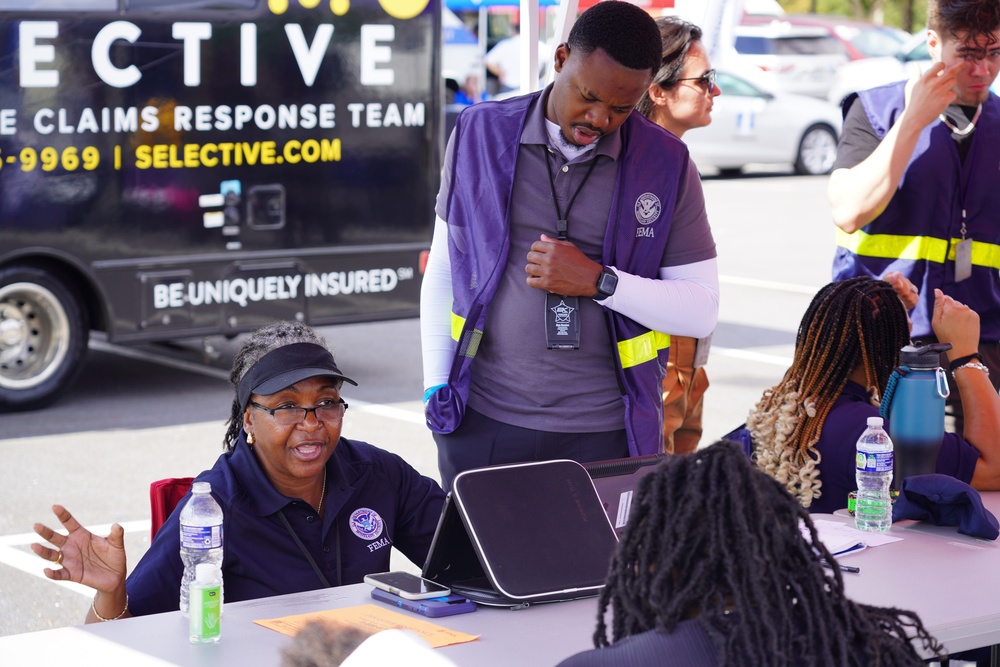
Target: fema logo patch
point(647, 208)
point(366, 523)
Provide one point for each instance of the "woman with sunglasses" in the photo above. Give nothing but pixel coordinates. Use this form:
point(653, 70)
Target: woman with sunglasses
point(303, 507)
point(679, 99)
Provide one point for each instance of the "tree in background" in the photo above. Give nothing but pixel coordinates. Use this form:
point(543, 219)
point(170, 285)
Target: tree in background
point(909, 15)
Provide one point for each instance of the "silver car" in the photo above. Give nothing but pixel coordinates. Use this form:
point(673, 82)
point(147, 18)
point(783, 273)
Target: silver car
point(751, 125)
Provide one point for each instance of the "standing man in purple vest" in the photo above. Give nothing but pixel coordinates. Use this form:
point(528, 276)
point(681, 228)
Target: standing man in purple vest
point(571, 233)
point(915, 190)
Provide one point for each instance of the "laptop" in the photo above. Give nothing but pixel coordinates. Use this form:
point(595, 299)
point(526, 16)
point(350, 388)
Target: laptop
point(514, 535)
point(617, 480)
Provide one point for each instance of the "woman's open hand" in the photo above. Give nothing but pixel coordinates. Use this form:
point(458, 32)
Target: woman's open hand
point(85, 558)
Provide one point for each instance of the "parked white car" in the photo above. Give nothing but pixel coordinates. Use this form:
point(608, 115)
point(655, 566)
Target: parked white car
point(752, 125)
point(856, 75)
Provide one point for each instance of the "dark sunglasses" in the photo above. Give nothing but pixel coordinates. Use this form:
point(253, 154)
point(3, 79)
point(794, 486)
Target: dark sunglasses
point(706, 80)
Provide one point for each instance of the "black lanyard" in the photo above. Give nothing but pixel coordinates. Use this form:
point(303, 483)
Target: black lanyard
point(562, 221)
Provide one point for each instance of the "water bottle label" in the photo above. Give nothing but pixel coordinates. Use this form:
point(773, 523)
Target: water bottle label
point(874, 462)
point(201, 537)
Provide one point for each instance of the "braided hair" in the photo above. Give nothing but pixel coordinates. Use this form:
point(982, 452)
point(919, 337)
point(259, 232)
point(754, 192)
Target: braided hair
point(676, 35)
point(856, 322)
point(266, 339)
point(711, 537)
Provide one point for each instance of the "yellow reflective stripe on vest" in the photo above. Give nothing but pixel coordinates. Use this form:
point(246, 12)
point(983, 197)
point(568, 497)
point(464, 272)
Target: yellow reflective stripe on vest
point(983, 254)
point(893, 246)
point(470, 346)
point(457, 322)
point(641, 349)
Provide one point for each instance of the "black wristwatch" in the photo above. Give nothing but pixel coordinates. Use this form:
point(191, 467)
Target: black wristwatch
point(607, 283)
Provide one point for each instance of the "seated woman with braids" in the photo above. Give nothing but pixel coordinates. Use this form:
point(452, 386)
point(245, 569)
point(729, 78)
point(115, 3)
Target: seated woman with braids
point(804, 429)
point(713, 569)
point(303, 507)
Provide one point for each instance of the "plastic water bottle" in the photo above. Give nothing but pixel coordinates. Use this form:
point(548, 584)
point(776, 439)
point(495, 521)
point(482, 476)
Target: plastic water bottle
point(201, 536)
point(873, 508)
point(205, 620)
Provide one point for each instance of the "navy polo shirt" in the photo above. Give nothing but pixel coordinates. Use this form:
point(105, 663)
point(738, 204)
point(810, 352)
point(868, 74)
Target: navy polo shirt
point(374, 500)
point(847, 420)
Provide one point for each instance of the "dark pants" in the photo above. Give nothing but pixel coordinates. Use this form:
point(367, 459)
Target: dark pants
point(480, 441)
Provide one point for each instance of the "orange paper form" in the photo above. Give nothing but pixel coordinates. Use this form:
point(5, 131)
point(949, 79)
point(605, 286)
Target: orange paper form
point(370, 618)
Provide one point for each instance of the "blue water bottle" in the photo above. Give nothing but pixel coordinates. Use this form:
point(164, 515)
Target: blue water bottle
point(914, 405)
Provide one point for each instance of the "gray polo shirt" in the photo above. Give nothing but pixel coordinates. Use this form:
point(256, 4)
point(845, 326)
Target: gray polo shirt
point(515, 379)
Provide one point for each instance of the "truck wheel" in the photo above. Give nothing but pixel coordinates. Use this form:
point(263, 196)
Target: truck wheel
point(43, 337)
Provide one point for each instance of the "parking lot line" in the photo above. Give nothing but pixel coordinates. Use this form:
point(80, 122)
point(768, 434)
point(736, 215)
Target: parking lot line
point(29, 563)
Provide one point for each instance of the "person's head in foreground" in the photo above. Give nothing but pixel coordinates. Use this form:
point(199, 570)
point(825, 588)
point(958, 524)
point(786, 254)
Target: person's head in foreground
point(603, 69)
point(966, 34)
point(714, 541)
point(853, 329)
point(680, 96)
point(323, 644)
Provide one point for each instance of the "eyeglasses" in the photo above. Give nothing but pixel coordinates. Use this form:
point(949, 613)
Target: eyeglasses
point(706, 80)
point(330, 413)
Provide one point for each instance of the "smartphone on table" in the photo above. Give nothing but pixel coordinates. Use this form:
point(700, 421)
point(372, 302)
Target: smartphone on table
point(448, 605)
point(407, 586)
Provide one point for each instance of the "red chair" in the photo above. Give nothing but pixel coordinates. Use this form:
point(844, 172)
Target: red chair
point(164, 494)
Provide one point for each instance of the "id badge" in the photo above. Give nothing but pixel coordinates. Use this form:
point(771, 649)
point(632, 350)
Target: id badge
point(562, 322)
point(701, 351)
point(963, 260)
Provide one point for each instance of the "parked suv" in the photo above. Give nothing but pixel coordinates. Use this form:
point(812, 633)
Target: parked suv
point(793, 59)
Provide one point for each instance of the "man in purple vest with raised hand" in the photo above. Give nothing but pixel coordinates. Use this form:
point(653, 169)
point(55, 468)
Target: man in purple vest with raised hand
point(570, 234)
point(914, 190)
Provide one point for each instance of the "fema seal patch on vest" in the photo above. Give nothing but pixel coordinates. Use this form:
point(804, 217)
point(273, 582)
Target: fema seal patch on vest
point(366, 523)
point(647, 210)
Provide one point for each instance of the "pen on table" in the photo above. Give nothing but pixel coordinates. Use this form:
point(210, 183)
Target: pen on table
point(846, 568)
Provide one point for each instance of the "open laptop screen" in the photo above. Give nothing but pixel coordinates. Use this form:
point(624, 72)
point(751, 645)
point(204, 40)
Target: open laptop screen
point(538, 527)
point(616, 481)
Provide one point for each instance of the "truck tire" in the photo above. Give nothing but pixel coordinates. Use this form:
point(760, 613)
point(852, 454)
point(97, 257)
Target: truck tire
point(43, 337)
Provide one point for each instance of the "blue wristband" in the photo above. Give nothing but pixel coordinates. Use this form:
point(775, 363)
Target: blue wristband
point(431, 391)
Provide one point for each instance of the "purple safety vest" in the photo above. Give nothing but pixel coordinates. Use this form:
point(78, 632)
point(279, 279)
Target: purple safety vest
point(917, 233)
point(651, 166)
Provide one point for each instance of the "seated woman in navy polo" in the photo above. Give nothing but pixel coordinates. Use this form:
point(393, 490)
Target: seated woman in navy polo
point(303, 507)
point(804, 429)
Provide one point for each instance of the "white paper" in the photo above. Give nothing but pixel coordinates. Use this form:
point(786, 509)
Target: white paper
point(842, 539)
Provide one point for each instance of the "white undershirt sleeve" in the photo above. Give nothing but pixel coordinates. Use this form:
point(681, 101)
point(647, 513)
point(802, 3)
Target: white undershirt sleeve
point(684, 301)
point(437, 346)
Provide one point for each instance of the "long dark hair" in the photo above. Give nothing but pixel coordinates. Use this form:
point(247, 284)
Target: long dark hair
point(676, 35)
point(713, 538)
